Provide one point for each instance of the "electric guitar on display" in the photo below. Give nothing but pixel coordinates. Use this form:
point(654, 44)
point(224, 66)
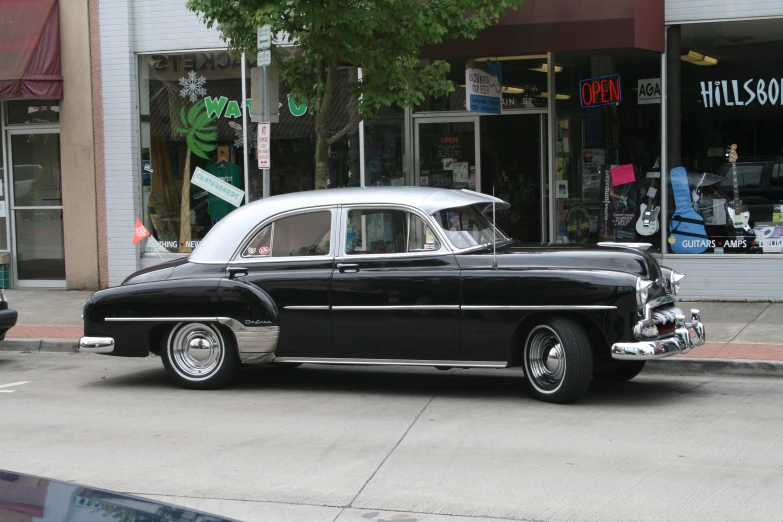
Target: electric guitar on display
point(687, 234)
point(648, 224)
point(739, 217)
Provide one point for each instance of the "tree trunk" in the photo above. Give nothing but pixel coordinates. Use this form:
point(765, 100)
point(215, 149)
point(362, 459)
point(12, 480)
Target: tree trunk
point(184, 213)
point(321, 160)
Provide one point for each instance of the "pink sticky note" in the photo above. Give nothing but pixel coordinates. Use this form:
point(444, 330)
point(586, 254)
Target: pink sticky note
point(622, 175)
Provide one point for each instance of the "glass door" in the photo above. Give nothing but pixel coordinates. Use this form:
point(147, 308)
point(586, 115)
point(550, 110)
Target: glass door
point(36, 210)
point(511, 159)
point(447, 152)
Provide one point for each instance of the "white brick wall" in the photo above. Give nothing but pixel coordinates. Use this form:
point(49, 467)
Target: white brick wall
point(678, 11)
point(129, 27)
point(161, 25)
point(123, 183)
point(712, 278)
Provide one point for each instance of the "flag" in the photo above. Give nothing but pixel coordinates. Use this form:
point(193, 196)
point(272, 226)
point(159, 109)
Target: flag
point(139, 232)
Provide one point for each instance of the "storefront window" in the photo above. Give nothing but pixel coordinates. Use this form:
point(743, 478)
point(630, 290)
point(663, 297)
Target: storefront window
point(524, 80)
point(729, 92)
point(607, 174)
point(384, 149)
point(191, 117)
point(32, 111)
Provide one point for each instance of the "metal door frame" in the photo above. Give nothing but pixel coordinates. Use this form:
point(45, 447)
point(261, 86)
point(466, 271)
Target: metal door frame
point(11, 205)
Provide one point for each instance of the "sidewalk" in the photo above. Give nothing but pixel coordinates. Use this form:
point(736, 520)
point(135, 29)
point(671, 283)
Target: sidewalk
point(746, 333)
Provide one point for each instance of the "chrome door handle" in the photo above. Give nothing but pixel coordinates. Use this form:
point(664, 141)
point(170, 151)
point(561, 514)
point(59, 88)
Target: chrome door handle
point(235, 271)
point(347, 267)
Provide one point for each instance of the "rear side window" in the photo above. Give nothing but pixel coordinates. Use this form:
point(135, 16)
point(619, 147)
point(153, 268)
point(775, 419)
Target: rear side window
point(294, 236)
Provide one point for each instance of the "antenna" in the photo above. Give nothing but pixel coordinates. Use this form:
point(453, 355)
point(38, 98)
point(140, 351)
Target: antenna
point(494, 236)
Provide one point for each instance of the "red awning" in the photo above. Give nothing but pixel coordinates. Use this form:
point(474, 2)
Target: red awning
point(565, 25)
point(30, 50)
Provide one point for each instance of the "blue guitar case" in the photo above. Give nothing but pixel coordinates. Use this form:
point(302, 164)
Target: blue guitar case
point(686, 226)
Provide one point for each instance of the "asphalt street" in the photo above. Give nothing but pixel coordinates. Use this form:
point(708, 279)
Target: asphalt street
point(313, 444)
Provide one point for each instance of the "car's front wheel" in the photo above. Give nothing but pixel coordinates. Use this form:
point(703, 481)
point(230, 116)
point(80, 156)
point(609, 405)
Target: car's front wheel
point(558, 360)
point(199, 356)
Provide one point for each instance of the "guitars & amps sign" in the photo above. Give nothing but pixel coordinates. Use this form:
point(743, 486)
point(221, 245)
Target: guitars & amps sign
point(742, 93)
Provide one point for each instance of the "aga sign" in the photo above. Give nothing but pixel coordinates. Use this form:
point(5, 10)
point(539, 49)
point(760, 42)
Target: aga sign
point(649, 91)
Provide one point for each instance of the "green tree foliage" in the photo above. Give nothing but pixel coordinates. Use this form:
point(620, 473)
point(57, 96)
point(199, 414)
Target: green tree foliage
point(383, 37)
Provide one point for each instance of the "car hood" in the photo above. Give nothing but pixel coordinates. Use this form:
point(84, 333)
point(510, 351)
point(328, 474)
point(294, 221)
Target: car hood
point(30, 496)
point(586, 257)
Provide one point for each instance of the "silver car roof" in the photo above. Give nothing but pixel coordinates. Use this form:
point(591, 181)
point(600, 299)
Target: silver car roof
point(224, 238)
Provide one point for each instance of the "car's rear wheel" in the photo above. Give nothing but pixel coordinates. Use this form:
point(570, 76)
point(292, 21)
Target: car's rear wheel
point(617, 371)
point(558, 361)
point(199, 356)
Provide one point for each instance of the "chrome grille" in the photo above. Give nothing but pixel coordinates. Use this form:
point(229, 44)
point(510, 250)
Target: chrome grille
point(665, 314)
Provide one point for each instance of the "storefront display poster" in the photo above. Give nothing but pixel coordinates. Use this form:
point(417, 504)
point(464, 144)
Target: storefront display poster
point(225, 191)
point(577, 224)
point(483, 89)
point(618, 209)
point(460, 174)
point(622, 174)
point(562, 189)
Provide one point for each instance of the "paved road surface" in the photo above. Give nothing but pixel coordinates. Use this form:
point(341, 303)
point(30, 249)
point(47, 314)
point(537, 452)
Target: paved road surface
point(328, 444)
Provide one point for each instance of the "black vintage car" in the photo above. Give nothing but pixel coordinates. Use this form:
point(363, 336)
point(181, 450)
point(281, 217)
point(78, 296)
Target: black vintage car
point(394, 276)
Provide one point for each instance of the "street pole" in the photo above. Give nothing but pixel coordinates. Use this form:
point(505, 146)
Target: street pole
point(244, 132)
point(266, 117)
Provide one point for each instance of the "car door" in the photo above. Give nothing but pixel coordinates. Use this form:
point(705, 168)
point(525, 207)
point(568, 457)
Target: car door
point(395, 289)
point(291, 258)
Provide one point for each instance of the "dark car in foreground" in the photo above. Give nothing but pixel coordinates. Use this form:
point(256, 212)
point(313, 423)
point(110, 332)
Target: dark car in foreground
point(27, 497)
point(394, 276)
point(8, 316)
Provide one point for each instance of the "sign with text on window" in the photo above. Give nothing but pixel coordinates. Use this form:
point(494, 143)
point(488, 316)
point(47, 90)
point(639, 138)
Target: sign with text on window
point(734, 93)
point(605, 90)
point(225, 191)
point(649, 91)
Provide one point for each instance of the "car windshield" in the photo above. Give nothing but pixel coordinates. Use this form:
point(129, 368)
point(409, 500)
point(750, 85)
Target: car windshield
point(467, 227)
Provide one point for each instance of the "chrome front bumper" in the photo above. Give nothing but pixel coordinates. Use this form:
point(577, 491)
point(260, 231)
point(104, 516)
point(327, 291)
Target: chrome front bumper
point(104, 345)
point(686, 336)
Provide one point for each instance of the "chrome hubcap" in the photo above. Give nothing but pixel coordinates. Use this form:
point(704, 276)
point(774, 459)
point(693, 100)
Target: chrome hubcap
point(196, 350)
point(546, 361)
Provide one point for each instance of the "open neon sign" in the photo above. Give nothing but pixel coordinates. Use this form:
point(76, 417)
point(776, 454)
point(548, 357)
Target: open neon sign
point(600, 91)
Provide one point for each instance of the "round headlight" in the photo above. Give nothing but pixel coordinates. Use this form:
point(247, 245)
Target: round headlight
point(642, 291)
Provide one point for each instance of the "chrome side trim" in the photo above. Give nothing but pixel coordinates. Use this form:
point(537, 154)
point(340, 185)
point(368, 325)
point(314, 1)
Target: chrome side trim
point(400, 307)
point(391, 362)
point(156, 319)
point(638, 246)
point(255, 344)
point(103, 345)
point(306, 307)
point(536, 307)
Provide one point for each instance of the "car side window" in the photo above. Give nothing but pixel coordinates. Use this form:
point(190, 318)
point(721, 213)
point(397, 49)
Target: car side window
point(387, 231)
point(259, 246)
point(293, 236)
point(421, 238)
point(375, 231)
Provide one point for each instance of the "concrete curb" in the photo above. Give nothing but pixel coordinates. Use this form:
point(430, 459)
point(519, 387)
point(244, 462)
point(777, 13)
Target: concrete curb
point(694, 366)
point(38, 345)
